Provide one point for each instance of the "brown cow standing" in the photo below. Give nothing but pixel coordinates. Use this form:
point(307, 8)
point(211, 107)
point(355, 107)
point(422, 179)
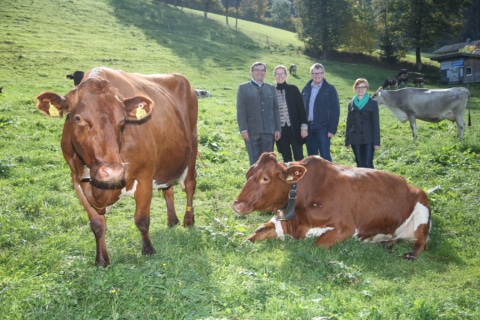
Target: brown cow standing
point(335, 202)
point(124, 134)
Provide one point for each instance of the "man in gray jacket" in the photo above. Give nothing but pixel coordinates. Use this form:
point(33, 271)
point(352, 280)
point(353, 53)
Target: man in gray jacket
point(257, 113)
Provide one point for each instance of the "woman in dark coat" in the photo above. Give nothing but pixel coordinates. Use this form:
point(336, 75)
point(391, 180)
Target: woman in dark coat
point(363, 125)
point(293, 119)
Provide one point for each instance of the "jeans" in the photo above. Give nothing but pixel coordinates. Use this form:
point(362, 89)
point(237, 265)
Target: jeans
point(319, 142)
point(363, 155)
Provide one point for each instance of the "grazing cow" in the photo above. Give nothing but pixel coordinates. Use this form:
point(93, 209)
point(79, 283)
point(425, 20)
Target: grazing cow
point(77, 77)
point(418, 82)
point(390, 84)
point(203, 93)
point(335, 202)
point(402, 72)
point(293, 69)
point(124, 134)
point(1, 89)
point(402, 80)
point(432, 105)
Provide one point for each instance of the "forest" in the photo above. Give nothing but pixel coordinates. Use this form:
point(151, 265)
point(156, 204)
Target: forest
point(388, 29)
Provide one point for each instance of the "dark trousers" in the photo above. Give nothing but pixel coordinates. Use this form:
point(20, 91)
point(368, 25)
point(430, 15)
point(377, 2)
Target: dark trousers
point(258, 144)
point(318, 142)
point(287, 143)
point(363, 155)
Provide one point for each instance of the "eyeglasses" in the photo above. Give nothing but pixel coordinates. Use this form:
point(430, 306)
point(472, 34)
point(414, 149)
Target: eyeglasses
point(363, 87)
point(259, 70)
point(317, 73)
point(280, 74)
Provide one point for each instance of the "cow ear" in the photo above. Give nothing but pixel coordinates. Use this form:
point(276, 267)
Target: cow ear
point(138, 108)
point(52, 104)
point(294, 173)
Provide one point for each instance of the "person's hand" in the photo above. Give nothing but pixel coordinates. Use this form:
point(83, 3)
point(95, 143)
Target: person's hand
point(245, 135)
point(376, 147)
point(304, 133)
point(348, 147)
point(278, 135)
point(330, 135)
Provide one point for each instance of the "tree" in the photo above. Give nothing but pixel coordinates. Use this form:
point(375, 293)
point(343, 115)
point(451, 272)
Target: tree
point(390, 40)
point(321, 23)
point(471, 28)
point(360, 33)
point(280, 11)
point(424, 22)
point(254, 10)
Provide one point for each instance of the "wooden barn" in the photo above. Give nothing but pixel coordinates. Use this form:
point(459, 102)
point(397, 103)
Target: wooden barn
point(459, 63)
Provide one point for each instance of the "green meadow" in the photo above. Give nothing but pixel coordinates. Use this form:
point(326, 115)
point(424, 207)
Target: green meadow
point(47, 250)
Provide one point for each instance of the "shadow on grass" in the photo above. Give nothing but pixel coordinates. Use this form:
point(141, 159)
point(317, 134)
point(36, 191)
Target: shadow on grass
point(193, 39)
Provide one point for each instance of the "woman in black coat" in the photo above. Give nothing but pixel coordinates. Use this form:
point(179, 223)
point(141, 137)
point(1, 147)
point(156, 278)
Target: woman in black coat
point(363, 125)
point(293, 119)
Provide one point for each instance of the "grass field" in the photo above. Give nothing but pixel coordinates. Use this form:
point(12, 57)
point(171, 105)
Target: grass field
point(47, 249)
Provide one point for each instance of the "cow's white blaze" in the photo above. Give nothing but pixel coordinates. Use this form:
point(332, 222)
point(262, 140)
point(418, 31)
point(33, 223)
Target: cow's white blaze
point(406, 231)
point(317, 232)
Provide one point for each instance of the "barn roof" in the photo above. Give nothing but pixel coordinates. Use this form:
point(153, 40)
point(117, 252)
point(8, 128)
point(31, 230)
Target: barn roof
point(454, 48)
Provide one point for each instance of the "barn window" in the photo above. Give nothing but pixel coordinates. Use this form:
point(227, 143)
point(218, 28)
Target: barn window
point(468, 71)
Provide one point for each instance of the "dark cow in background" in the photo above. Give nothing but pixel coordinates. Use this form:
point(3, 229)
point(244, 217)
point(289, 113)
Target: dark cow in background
point(390, 84)
point(77, 77)
point(124, 135)
point(335, 202)
point(432, 105)
point(402, 72)
point(418, 82)
point(1, 89)
point(293, 69)
point(203, 93)
point(402, 77)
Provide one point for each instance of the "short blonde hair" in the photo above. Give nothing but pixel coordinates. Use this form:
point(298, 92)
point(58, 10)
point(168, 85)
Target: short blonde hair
point(360, 81)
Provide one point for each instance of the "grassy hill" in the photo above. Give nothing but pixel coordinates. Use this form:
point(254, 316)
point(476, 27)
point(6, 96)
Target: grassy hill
point(208, 272)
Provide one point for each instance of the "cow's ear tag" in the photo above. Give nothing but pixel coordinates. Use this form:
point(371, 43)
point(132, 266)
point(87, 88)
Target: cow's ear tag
point(141, 113)
point(53, 111)
point(289, 178)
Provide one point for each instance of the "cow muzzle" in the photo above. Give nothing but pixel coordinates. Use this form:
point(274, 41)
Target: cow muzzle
point(241, 207)
point(108, 175)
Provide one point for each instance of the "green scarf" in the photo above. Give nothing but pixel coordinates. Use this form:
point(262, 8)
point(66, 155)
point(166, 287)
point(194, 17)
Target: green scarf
point(361, 103)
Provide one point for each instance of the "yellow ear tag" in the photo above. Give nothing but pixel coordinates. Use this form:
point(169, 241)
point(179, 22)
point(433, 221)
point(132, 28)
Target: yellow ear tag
point(53, 111)
point(141, 113)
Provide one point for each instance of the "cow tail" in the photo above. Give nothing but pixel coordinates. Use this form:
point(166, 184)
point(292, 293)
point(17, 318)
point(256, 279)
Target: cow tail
point(468, 103)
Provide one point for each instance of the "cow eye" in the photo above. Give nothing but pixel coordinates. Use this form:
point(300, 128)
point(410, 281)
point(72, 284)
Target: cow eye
point(77, 118)
point(265, 179)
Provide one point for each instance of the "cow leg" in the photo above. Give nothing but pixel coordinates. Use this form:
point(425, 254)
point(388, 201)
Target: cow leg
point(420, 242)
point(413, 125)
point(190, 187)
point(99, 226)
point(332, 237)
point(168, 195)
point(460, 126)
point(142, 216)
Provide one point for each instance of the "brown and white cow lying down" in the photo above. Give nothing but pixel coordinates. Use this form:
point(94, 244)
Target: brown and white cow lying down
point(124, 135)
point(336, 202)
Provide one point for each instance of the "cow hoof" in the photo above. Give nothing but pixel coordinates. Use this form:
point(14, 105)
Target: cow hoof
point(102, 262)
point(410, 256)
point(388, 245)
point(173, 223)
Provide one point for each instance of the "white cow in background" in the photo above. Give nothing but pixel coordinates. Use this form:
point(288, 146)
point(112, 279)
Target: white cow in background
point(432, 105)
